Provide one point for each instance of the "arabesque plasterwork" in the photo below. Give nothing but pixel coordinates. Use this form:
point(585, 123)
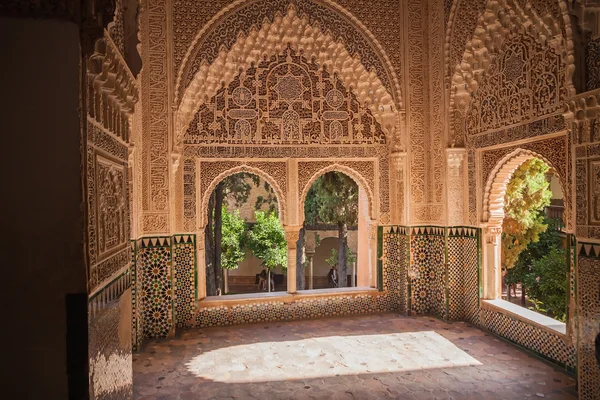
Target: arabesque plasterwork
point(111, 96)
point(428, 105)
point(499, 31)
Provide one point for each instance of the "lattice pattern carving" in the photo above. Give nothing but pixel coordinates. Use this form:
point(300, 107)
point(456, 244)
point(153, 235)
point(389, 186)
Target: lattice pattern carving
point(156, 129)
point(498, 25)
point(297, 31)
point(285, 100)
point(244, 17)
point(525, 81)
point(592, 64)
point(110, 96)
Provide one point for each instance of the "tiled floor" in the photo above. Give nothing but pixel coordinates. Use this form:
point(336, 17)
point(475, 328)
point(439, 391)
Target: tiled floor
point(382, 356)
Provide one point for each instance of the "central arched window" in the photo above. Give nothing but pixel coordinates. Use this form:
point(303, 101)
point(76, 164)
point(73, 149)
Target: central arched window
point(331, 253)
point(245, 246)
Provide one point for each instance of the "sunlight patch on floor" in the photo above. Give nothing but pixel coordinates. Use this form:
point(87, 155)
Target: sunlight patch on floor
point(329, 356)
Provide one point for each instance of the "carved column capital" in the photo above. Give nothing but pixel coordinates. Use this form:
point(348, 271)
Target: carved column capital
point(398, 161)
point(455, 158)
point(175, 162)
point(292, 234)
point(493, 234)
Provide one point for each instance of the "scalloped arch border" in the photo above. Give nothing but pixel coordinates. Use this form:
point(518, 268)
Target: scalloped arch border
point(328, 50)
point(281, 199)
point(239, 4)
point(495, 188)
point(353, 174)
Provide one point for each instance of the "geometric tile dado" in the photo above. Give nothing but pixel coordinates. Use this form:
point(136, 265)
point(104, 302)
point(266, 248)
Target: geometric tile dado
point(156, 297)
point(185, 278)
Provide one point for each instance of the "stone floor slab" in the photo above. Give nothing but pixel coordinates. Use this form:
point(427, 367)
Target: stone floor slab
point(383, 356)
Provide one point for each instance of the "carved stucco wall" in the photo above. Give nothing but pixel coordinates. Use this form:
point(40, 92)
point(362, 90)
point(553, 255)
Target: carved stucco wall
point(290, 93)
point(510, 66)
point(364, 64)
point(110, 94)
point(561, 131)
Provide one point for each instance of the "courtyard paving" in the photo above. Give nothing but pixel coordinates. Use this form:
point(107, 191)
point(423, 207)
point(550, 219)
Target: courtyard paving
point(382, 356)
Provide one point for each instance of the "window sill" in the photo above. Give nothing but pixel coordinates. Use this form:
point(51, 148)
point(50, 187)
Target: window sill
point(523, 314)
point(284, 297)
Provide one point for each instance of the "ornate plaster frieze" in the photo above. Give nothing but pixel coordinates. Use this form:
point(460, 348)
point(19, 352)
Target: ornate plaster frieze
point(241, 16)
point(286, 100)
point(456, 190)
point(112, 88)
point(272, 38)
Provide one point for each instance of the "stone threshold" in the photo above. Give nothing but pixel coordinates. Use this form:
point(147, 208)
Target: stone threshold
point(526, 315)
point(285, 297)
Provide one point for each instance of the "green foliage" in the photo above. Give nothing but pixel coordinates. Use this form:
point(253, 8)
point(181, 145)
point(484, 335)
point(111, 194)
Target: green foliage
point(332, 260)
point(332, 199)
point(351, 256)
point(270, 200)
point(266, 240)
point(317, 239)
point(237, 187)
point(547, 241)
point(547, 283)
point(232, 241)
point(526, 196)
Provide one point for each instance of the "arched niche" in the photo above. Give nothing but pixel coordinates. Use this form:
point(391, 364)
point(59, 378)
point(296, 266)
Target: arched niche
point(495, 188)
point(362, 66)
point(211, 174)
point(500, 23)
point(356, 177)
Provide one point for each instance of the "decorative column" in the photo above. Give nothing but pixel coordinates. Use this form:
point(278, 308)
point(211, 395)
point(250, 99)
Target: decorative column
point(292, 234)
point(492, 273)
point(311, 275)
point(455, 186)
point(372, 254)
point(397, 188)
point(201, 263)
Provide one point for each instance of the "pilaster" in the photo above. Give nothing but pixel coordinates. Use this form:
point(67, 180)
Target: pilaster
point(456, 194)
point(292, 234)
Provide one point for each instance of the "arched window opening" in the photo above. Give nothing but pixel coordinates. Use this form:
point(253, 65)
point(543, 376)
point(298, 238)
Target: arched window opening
point(535, 272)
point(329, 251)
point(245, 246)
